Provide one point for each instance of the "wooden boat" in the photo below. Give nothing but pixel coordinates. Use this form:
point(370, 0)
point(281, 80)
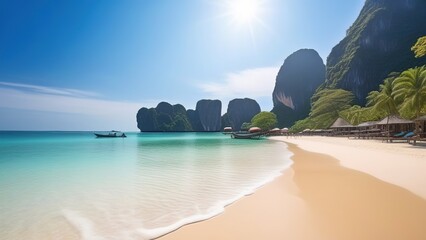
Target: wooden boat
point(110, 134)
point(247, 135)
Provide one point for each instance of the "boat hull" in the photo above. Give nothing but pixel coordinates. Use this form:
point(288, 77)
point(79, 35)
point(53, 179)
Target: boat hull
point(101, 135)
point(257, 135)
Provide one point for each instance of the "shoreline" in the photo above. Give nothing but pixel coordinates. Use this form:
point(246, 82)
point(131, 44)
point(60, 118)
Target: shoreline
point(326, 197)
point(159, 233)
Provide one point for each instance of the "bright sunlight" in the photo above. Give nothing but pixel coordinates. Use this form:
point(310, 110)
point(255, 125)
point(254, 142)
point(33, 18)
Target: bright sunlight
point(244, 11)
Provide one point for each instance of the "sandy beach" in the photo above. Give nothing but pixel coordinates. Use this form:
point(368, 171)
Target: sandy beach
point(336, 189)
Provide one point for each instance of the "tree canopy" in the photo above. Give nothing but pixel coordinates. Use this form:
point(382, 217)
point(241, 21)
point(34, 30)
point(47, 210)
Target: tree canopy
point(264, 120)
point(357, 114)
point(326, 107)
point(382, 100)
point(410, 89)
point(330, 102)
point(419, 48)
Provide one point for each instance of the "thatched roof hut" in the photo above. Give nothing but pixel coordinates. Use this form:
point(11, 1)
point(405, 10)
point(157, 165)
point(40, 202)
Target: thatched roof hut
point(342, 127)
point(393, 119)
point(341, 123)
point(395, 123)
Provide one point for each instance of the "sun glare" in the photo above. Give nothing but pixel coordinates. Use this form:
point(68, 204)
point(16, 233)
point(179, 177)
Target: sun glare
point(244, 16)
point(243, 11)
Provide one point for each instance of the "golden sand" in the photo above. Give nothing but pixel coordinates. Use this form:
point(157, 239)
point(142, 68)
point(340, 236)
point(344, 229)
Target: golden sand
point(320, 197)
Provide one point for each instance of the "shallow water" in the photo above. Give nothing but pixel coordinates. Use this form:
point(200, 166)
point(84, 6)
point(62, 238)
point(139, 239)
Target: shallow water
point(70, 185)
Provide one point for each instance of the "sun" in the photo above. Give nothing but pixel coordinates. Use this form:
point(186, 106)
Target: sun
point(243, 16)
point(243, 11)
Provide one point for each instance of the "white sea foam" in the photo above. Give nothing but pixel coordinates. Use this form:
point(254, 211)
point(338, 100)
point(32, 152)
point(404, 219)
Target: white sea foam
point(83, 225)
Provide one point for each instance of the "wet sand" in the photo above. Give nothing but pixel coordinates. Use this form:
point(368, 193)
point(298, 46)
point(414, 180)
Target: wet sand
point(330, 197)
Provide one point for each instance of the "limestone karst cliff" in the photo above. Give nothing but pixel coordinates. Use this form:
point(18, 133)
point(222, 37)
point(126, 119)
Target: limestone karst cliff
point(175, 118)
point(209, 112)
point(240, 111)
point(298, 78)
point(163, 118)
point(377, 44)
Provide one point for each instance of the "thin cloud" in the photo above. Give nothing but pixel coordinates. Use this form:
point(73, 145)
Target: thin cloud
point(12, 98)
point(254, 83)
point(71, 102)
point(49, 90)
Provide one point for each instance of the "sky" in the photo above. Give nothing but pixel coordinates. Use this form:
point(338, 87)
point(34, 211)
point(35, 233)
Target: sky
point(91, 65)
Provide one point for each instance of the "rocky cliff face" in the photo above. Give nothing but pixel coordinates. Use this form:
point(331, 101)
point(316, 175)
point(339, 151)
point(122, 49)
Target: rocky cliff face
point(298, 78)
point(194, 119)
point(147, 119)
point(163, 118)
point(209, 112)
point(240, 111)
point(175, 118)
point(377, 44)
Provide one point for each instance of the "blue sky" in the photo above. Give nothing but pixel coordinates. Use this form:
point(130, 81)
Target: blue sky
point(90, 65)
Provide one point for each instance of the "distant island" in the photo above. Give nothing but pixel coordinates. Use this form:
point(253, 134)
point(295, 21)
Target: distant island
point(205, 118)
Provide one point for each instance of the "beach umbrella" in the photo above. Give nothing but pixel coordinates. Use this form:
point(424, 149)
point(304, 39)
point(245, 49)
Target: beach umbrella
point(284, 130)
point(254, 129)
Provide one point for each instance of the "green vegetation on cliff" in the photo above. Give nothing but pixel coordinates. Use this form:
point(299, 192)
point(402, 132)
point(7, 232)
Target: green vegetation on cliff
point(419, 48)
point(401, 94)
point(342, 55)
point(327, 104)
point(164, 118)
point(377, 44)
point(264, 120)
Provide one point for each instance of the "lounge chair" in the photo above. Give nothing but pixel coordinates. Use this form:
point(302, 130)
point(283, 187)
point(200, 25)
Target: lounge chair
point(409, 135)
point(401, 134)
point(405, 137)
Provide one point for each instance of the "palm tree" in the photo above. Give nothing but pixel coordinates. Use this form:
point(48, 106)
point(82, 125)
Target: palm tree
point(410, 88)
point(357, 114)
point(383, 101)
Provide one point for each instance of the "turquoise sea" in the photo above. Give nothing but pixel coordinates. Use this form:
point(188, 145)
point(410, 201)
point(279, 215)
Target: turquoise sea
point(71, 185)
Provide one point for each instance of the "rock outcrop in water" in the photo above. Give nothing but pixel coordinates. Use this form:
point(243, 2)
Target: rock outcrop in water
point(194, 119)
point(377, 44)
point(175, 118)
point(300, 75)
point(164, 118)
point(209, 112)
point(240, 111)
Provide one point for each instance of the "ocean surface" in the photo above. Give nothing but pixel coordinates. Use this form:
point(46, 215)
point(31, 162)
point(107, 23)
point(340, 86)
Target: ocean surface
point(71, 185)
